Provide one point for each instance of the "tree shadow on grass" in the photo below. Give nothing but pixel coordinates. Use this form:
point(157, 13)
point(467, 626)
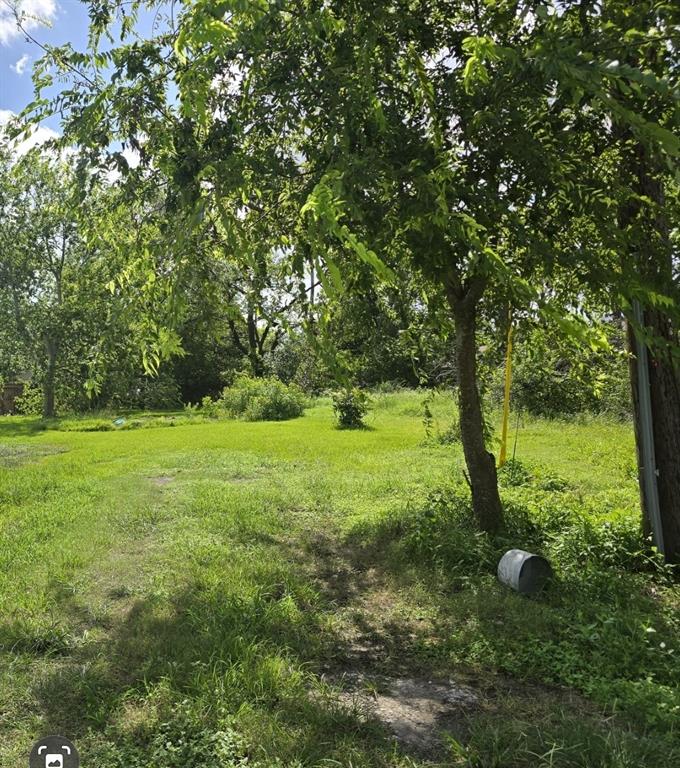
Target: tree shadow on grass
point(11, 427)
point(255, 650)
point(228, 653)
point(586, 632)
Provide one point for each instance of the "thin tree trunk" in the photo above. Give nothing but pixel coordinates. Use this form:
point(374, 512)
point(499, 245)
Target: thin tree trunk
point(481, 464)
point(256, 360)
point(48, 385)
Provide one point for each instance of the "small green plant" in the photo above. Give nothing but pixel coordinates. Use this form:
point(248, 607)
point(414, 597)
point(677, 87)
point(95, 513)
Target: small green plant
point(266, 399)
point(184, 740)
point(210, 408)
point(440, 418)
point(350, 406)
point(514, 473)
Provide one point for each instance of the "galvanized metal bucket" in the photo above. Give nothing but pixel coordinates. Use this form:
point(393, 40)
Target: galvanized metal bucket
point(524, 572)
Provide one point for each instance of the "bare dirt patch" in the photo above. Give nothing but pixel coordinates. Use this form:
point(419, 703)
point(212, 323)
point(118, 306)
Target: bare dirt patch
point(162, 480)
point(419, 713)
point(383, 668)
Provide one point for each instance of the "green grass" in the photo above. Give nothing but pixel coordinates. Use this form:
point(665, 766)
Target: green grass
point(191, 596)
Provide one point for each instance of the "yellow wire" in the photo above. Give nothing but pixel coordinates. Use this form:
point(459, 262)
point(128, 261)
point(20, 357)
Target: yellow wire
point(506, 400)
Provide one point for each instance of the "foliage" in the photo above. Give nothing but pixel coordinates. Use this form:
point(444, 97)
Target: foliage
point(159, 392)
point(557, 636)
point(350, 406)
point(469, 153)
point(297, 360)
point(30, 402)
point(183, 740)
point(440, 428)
point(64, 242)
point(265, 399)
point(551, 376)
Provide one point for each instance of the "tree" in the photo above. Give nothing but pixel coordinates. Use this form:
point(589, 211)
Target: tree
point(648, 207)
point(40, 262)
point(443, 138)
point(632, 50)
point(64, 324)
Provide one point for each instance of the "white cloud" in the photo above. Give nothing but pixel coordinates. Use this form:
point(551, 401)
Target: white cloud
point(133, 159)
point(32, 14)
point(37, 136)
point(20, 66)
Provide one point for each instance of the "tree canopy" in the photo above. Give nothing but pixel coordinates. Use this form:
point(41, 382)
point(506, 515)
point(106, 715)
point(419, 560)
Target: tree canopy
point(492, 152)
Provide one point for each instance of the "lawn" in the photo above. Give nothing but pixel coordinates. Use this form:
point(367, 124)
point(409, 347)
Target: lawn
point(221, 593)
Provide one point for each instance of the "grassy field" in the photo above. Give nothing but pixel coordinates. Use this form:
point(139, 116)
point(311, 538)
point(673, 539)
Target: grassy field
point(287, 594)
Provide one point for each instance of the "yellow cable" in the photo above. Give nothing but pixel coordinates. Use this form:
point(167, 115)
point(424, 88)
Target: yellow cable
point(506, 400)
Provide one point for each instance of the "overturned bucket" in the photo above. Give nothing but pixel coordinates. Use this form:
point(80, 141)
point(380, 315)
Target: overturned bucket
point(524, 572)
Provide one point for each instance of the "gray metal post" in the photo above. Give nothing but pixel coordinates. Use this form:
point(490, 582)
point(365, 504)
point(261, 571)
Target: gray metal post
point(646, 427)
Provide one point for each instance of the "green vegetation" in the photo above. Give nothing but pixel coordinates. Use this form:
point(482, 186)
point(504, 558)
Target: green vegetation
point(264, 399)
point(250, 205)
point(350, 406)
point(194, 596)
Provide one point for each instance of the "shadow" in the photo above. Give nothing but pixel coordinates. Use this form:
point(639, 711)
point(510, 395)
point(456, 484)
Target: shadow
point(11, 426)
point(256, 652)
point(576, 634)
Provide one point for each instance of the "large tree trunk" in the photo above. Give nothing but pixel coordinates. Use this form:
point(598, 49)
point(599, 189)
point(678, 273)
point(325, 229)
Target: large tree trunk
point(481, 464)
point(255, 355)
point(664, 390)
point(655, 266)
point(50, 374)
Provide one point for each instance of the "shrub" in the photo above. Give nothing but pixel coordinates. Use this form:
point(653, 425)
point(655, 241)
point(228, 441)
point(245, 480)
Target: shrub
point(210, 408)
point(350, 406)
point(554, 378)
point(266, 399)
point(30, 403)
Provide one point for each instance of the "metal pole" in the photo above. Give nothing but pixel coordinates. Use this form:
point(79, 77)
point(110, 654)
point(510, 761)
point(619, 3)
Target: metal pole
point(646, 426)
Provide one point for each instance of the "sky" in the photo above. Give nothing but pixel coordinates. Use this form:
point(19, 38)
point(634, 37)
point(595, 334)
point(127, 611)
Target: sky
point(51, 22)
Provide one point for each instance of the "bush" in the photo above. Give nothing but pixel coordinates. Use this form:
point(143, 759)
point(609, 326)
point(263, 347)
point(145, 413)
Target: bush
point(552, 377)
point(350, 406)
point(210, 408)
point(30, 403)
point(265, 399)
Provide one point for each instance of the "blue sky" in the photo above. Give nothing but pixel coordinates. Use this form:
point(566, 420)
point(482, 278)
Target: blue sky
point(68, 23)
point(51, 22)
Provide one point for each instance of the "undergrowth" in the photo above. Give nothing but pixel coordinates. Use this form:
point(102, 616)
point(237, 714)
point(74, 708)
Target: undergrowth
point(606, 625)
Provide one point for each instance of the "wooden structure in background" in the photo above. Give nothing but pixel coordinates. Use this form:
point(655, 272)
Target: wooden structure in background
point(8, 396)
